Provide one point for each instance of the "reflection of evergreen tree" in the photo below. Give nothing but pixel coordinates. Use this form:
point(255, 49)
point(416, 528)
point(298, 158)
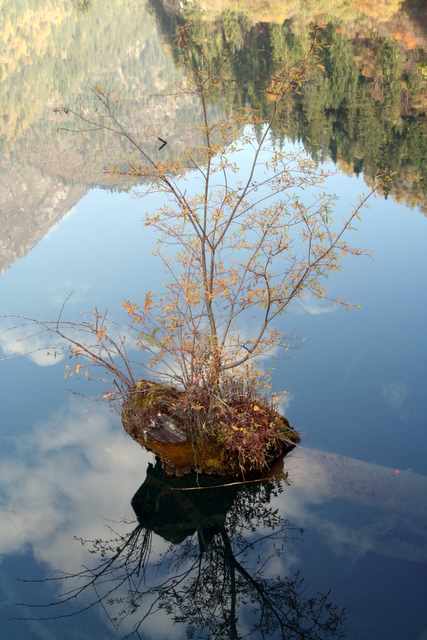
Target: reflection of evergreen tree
point(363, 106)
point(366, 109)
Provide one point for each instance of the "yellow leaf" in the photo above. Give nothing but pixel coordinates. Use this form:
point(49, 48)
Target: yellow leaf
point(129, 307)
point(76, 351)
point(148, 302)
point(101, 334)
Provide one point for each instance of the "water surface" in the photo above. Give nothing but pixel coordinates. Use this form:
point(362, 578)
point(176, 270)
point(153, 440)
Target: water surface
point(353, 513)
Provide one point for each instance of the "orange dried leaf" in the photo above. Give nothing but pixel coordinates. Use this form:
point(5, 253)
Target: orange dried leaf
point(130, 307)
point(101, 334)
point(148, 302)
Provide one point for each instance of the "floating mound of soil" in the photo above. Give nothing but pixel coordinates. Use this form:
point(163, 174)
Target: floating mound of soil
point(152, 415)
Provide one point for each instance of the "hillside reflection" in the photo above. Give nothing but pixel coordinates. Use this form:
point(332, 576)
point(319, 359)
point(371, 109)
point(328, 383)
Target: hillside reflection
point(364, 106)
point(222, 575)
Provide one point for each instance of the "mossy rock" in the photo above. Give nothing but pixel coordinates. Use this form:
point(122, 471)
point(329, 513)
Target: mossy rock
point(151, 416)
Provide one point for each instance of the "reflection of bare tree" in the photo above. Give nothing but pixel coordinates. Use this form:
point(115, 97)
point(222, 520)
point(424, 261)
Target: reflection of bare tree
point(216, 576)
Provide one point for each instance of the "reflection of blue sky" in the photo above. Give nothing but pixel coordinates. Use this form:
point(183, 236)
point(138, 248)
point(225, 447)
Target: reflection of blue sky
point(33, 343)
point(314, 307)
point(89, 255)
point(103, 253)
point(357, 383)
point(75, 473)
point(364, 536)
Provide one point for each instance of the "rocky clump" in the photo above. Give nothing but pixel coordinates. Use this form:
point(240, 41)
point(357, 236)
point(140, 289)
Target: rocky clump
point(235, 437)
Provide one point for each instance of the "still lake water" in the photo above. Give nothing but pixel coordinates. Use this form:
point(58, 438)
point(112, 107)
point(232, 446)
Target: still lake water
point(352, 519)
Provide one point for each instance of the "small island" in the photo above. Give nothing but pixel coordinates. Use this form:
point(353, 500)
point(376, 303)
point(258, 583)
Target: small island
point(242, 436)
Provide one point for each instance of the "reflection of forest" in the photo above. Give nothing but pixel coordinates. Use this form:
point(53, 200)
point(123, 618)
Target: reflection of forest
point(305, 11)
point(364, 107)
point(53, 54)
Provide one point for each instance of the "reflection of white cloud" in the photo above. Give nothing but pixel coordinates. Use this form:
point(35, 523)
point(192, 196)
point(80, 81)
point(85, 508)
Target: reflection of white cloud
point(39, 347)
point(395, 514)
point(73, 473)
point(314, 306)
point(44, 348)
point(395, 394)
point(79, 470)
point(158, 626)
point(279, 564)
point(284, 399)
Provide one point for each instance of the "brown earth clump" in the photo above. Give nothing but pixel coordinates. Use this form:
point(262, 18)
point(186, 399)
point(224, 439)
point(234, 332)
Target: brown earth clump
point(241, 436)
